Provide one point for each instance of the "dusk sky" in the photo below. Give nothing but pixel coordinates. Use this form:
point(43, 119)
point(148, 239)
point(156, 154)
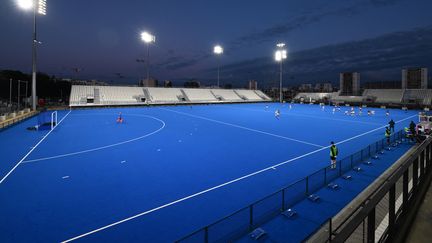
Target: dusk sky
point(375, 37)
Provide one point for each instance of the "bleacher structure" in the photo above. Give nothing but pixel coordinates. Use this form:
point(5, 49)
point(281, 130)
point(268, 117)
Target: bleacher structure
point(418, 97)
point(384, 96)
point(82, 95)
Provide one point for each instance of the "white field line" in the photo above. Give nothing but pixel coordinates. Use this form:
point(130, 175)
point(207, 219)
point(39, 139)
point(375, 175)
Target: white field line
point(34, 147)
point(221, 185)
point(100, 148)
point(245, 128)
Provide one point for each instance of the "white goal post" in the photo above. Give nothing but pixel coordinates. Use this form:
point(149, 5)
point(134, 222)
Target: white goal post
point(53, 119)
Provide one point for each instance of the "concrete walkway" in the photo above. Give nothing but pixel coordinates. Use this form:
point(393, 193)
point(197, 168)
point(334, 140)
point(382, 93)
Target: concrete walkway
point(421, 230)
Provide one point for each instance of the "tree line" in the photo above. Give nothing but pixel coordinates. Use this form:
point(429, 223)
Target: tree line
point(47, 87)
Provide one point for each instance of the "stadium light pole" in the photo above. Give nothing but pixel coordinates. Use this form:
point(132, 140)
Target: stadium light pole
point(148, 39)
point(280, 55)
point(18, 96)
point(10, 92)
point(218, 50)
point(38, 7)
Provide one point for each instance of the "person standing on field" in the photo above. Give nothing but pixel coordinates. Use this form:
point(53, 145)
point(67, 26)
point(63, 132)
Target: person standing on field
point(387, 135)
point(391, 125)
point(333, 155)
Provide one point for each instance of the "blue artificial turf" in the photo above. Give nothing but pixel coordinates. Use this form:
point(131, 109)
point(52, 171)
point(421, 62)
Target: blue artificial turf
point(310, 216)
point(91, 172)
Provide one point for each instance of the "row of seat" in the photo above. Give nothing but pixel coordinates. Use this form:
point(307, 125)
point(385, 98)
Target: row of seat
point(120, 95)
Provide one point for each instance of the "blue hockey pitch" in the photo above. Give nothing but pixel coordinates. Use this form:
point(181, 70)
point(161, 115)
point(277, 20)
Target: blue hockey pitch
point(166, 171)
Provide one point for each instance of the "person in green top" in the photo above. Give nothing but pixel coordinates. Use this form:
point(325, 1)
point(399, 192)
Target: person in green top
point(387, 135)
point(391, 125)
point(333, 155)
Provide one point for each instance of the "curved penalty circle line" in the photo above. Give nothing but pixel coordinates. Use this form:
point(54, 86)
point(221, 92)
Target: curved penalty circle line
point(103, 147)
point(223, 184)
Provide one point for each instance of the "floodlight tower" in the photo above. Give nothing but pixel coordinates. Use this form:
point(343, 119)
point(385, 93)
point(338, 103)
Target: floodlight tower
point(38, 7)
point(148, 39)
point(280, 55)
point(218, 50)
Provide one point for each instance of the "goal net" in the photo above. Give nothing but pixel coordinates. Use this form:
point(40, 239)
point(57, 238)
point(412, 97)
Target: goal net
point(47, 120)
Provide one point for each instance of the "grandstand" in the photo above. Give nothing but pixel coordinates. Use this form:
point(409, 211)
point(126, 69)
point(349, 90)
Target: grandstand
point(200, 95)
point(119, 95)
point(248, 95)
point(312, 96)
point(417, 97)
point(226, 95)
point(384, 96)
point(164, 95)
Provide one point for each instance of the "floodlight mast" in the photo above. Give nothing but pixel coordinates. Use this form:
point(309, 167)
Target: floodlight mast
point(38, 7)
point(148, 39)
point(218, 50)
point(280, 55)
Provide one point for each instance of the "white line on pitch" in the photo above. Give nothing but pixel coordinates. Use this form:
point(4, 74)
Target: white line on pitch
point(221, 185)
point(245, 128)
point(100, 148)
point(4, 178)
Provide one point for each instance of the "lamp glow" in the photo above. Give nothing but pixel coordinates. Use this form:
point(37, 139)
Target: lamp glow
point(42, 7)
point(280, 55)
point(218, 50)
point(25, 4)
point(147, 37)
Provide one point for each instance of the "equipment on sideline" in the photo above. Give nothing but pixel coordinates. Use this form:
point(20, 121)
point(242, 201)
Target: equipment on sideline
point(257, 233)
point(314, 198)
point(290, 213)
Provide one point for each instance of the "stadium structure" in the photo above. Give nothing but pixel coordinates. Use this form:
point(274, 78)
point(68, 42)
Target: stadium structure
point(122, 163)
point(150, 164)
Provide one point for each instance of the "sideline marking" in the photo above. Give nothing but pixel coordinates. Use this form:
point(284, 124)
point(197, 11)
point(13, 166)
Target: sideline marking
point(4, 178)
point(222, 185)
point(245, 128)
point(103, 147)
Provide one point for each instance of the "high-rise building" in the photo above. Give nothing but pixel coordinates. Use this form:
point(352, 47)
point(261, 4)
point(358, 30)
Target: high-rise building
point(414, 78)
point(349, 83)
point(253, 85)
point(305, 87)
point(323, 87)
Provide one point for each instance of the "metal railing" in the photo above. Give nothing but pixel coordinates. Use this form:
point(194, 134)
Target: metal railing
point(385, 214)
point(245, 220)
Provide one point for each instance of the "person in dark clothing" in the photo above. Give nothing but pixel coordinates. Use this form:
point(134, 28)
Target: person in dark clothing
point(333, 155)
point(412, 128)
point(391, 125)
point(387, 134)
